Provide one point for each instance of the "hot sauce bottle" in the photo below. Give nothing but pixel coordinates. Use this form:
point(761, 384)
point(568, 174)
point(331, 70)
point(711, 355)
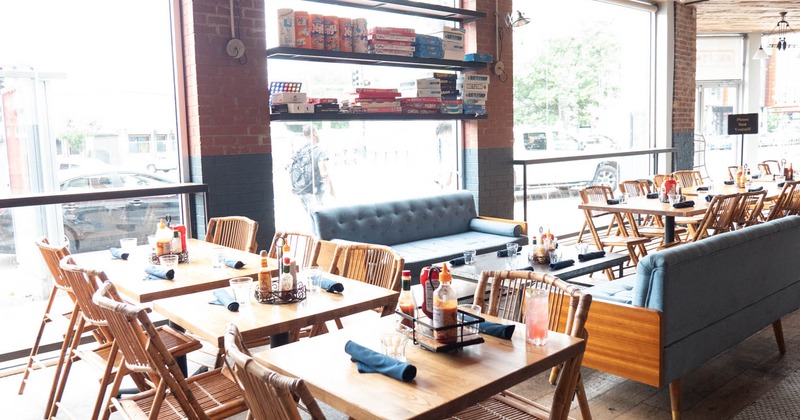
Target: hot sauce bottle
point(445, 309)
point(406, 302)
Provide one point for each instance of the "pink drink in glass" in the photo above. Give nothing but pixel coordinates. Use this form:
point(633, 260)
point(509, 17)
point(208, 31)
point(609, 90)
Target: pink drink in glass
point(536, 318)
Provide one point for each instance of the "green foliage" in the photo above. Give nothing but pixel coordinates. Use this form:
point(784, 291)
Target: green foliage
point(565, 84)
point(75, 137)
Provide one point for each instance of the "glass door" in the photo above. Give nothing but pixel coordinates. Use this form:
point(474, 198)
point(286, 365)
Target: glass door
point(714, 104)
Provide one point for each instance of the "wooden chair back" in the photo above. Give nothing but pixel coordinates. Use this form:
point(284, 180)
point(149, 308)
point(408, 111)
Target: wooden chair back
point(764, 169)
point(787, 202)
point(301, 246)
point(719, 216)
point(507, 301)
point(84, 283)
point(632, 188)
point(732, 170)
point(772, 167)
point(749, 211)
point(374, 264)
point(268, 394)
point(237, 232)
point(52, 255)
point(688, 178)
point(658, 179)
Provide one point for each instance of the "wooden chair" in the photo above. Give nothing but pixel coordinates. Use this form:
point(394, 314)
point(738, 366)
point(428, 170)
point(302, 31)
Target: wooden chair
point(209, 395)
point(268, 394)
point(770, 167)
point(601, 194)
point(787, 202)
point(688, 178)
point(658, 179)
point(764, 169)
point(302, 246)
point(732, 170)
point(718, 218)
point(233, 231)
point(748, 212)
point(84, 283)
point(63, 317)
point(634, 244)
point(568, 312)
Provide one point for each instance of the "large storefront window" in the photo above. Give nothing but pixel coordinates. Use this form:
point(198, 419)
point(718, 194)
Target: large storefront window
point(580, 89)
point(88, 103)
point(361, 161)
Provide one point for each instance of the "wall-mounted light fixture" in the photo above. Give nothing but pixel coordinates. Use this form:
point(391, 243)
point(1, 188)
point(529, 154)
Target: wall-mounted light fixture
point(512, 20)
point(782, 30)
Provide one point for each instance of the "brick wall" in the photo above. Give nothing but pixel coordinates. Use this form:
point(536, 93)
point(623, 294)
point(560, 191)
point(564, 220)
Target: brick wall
point(489, 143)
point(684, 86)
point(228, 113)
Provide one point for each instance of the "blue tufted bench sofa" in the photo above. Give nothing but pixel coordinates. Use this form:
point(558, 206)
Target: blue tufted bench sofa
point(689, 303)
point(423, 230)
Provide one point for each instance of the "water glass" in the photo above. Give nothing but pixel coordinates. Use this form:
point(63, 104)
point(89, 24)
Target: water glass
point(470, 330)
point(536, 316)
point(168, 260)
point(623, 198)
point(151, 240)
point(511, 248)
point(469, 256)
point(393, 344)
point(313, 276)
point(582, 248)
point(242, 287)
point(673, 198)
point(555, 255)
point(217, 257)
point(127, 244)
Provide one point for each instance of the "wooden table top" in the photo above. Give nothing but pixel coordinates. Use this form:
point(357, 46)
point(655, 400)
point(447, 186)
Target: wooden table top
point(643, 205)
point(445, 382)
point(257, 320)
point(492, 262)
point(195, 276)
point(773, 190)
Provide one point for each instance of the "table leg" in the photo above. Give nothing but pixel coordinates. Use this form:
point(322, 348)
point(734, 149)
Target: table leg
point(180, 360)
point(278, 340)
point(669, 229)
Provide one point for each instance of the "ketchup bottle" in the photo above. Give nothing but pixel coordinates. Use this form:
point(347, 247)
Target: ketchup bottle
point(429, 280)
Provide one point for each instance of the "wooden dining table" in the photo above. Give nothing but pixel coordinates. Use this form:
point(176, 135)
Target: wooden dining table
point(196, 275)
point(771, 186)
point(445, 382)
point(257, 320)
point(643, 205)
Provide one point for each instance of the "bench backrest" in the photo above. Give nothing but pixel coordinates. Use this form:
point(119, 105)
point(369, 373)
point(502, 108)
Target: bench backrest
point(397, 222)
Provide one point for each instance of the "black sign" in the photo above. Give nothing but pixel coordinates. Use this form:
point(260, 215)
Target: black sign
point(743, 124)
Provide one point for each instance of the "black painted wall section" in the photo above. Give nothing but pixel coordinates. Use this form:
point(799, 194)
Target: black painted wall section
point(684, 156)
point(238, 185)
point(489, 174)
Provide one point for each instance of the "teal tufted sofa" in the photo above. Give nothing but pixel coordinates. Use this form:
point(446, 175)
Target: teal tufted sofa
point(691, 302)
point(423, 230)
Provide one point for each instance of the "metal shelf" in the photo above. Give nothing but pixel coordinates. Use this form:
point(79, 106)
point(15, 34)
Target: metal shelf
point(412, 8)
point(303, 54)
point(372, 117)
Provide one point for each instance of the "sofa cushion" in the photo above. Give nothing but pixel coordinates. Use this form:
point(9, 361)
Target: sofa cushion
point(620, 291)
point(495, 227)
point(397, 222)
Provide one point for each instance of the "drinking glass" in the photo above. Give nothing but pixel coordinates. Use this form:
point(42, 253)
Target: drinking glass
point(393, 344)
point(313, 275)
point(511, 248)
point(470, 331)
point(673, 198)
point(241, 286)
point(555, 255)
point(469, 256)
point(217, 257)
point(127, 244)
point(168, 260)
point(582, 248)
point(536, 318)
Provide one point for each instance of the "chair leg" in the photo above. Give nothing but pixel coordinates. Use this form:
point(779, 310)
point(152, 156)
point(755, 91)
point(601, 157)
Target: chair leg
point(71, 339)
point(675, 398)
point(104, 381)
point(777, 328)
point(35, 347)
point(583, 401)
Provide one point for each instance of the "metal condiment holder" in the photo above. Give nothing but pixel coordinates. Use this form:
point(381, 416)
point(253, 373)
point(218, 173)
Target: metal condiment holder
point(281, 297)
point(182, 257)
point(422, 331)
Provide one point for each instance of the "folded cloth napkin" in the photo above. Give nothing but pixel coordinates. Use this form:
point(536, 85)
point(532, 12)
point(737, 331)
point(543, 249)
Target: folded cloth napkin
point(561, 264)
point(591, 255)
point(683, 204)
point(756, 176)
point(781, 184)
point(331, 286)
point(652, 195)
point(455, 262)
point(729, 182)
point(225, 299)
point(709, 198)
point(233, 263)
point(612, 201)
point(755, 189)
point(159, 273)
point(118, 254)
point(504, 252)
point(370, 361)
point(497, 330)
point(703, 188)
point(528, 268)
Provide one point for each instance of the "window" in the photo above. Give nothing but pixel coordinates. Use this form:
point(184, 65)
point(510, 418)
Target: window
point(139, 144)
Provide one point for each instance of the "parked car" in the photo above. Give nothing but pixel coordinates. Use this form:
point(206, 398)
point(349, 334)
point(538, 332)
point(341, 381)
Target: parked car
point(95, 225)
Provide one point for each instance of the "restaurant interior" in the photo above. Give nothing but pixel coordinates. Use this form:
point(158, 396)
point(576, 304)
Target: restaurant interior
point(398, 209)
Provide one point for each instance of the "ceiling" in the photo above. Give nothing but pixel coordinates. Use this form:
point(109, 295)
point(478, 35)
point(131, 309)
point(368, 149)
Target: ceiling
point(743, 16)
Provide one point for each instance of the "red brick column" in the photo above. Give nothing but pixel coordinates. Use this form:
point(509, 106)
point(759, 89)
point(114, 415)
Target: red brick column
point(227, 108)
point(684, 86)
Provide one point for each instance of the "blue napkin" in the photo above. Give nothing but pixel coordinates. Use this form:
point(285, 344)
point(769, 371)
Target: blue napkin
point(652, 195)
point(233, 263)
point(683, 204)
point(561, 264)
point(729, 182)
point(331, 286)
point(225, 299)
point(756, 176)
point(370, 361)
point(504, 252)
point(159, 273)
point(612, 201)
point(455, 262)
point(755, 189)
point(118, 254)
point(591, 255)
point(703, 188)
point(781, 184)
point(497, 330)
